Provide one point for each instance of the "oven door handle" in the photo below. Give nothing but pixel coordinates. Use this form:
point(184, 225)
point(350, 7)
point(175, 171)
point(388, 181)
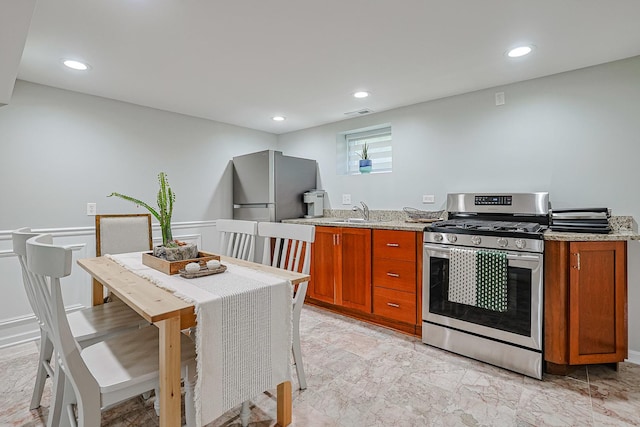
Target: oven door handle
point(510, 255)
point(523, 257)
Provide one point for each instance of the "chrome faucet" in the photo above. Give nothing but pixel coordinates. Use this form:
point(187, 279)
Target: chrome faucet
point(364, 211)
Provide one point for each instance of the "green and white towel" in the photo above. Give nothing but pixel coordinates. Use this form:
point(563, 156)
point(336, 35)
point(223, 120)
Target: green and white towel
point(491, 270)
point(462, 276)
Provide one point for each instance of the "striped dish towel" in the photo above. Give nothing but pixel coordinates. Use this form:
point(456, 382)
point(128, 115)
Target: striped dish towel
point(462, 276)
point(492, 280)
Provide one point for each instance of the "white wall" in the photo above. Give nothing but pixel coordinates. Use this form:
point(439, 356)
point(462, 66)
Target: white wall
point(576, 135)
point(60, 150)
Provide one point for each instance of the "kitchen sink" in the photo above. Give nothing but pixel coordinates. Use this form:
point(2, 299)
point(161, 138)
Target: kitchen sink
point(352, 221)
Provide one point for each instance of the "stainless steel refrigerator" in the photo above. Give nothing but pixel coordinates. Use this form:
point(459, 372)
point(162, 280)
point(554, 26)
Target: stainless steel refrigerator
point(268, 186)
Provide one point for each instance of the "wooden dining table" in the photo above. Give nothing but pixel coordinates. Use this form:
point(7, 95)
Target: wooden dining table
point(172, 315)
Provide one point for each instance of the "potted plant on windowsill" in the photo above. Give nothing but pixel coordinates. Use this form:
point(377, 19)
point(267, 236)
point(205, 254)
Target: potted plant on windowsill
point(171, 250)
point(365, 161)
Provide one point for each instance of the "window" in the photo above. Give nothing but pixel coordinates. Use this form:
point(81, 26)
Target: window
point(378, 140)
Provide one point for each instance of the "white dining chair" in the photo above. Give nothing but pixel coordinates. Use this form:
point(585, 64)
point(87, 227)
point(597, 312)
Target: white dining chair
point(237, 238)
point(105, 373)
point(88, 326)
point(121, 233)
point(288, 246)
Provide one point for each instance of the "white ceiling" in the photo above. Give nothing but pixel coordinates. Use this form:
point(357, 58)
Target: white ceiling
point(244, 61)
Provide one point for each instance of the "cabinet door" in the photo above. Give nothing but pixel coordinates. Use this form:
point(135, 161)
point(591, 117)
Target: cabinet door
point(325, 259)
point(356, 268)
point(597, 302)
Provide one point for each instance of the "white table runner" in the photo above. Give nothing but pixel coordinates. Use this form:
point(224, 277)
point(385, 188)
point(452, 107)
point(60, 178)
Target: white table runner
point(243, 335)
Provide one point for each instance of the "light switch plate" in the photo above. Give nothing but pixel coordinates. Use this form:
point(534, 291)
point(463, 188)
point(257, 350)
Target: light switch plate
point(346, 199)
point(91, 209)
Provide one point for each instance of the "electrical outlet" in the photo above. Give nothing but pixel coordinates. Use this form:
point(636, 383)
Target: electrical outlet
point(500, 98)
point(91, 209)
point(346, 199)
point(428, 198)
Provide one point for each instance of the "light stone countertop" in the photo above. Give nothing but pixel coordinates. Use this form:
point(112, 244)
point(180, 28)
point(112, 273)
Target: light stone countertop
point(382, 225)
point(622, 226)
point(591, 237)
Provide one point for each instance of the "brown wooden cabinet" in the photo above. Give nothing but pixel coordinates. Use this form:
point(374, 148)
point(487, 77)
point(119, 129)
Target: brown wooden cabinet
point(341, 268)
point(394, 275)
point(372, 275)
point(585, 303)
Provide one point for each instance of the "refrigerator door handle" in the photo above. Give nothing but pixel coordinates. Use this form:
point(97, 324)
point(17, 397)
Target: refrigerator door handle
point(253, 205)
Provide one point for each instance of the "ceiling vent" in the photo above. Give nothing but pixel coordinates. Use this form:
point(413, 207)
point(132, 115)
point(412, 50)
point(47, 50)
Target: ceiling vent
point(359, 112)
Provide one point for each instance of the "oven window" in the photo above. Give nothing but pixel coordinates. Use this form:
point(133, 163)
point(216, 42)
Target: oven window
point(517, 317)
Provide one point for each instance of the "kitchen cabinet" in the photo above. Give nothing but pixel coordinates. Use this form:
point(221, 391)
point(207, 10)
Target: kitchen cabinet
point(394, 275)
point(585, 303)
point(341, 267)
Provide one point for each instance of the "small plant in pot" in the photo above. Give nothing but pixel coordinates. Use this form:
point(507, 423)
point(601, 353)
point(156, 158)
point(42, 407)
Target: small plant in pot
point(171, 250)
point(365, 161)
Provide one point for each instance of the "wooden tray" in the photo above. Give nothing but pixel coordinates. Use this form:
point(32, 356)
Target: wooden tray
point(204, 271)
point(174, 267)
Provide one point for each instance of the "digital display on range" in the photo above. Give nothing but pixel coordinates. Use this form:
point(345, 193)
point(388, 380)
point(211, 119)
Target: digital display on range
point(494, 200)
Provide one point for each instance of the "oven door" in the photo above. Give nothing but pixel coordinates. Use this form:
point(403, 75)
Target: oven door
point(520, 324)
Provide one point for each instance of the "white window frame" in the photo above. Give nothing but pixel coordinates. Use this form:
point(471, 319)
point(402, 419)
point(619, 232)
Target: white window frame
point(380, 149)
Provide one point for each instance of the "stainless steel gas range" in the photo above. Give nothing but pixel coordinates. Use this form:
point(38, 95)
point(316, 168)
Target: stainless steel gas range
point(483, 279)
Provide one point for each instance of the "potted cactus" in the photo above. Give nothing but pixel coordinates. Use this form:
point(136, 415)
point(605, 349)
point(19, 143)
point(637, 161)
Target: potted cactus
point(171, 250)
point(365, 161)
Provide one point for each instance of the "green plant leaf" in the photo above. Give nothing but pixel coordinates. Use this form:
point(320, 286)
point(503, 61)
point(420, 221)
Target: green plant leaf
point(165, 201)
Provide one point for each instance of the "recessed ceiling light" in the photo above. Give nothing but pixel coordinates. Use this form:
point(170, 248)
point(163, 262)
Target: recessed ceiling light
point(76, 65)
point(278, 118)
point(361, 94)
point(519, 51)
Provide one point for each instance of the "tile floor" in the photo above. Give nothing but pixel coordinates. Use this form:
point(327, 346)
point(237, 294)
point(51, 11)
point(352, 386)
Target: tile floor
point(363, 375)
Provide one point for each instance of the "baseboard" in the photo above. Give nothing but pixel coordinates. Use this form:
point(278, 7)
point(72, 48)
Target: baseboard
point(634, 357)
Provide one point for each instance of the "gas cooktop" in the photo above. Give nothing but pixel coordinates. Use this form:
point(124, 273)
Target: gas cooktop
point(473, 226)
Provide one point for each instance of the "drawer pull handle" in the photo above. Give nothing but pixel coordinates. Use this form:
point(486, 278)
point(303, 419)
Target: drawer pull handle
point(393, 275)
point(391, 304)
point(393, 245)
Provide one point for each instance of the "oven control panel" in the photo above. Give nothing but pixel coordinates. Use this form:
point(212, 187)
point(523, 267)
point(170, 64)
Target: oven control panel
point(493, 200)
point(515, 244)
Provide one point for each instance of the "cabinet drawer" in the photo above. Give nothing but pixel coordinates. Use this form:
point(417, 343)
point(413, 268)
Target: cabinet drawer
point(394, 274)
point(394, 304)
point(394, 244)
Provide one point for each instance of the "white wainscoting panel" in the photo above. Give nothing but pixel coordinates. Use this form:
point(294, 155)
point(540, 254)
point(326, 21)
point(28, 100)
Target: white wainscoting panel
point(17, 322)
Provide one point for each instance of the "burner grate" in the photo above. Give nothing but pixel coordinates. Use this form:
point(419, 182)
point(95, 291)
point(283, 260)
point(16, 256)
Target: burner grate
point(488, 227)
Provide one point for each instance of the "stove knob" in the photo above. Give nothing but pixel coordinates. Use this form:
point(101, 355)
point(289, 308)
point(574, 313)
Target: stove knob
point(521, 243)
point(502, 242)
point(437, 237)
point(476, 240)
point(452, 238)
